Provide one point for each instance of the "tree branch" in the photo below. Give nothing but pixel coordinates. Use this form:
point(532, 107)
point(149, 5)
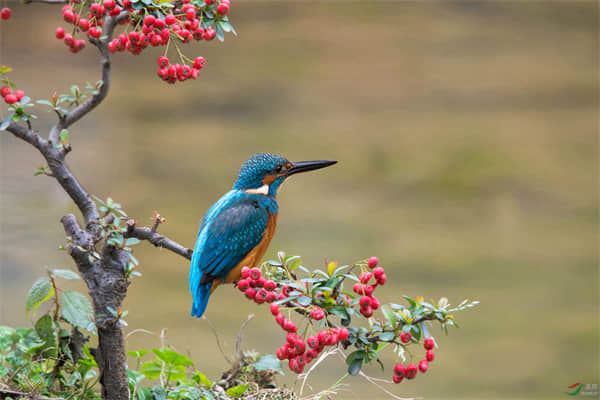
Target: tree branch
point(89, 104)
point(158, 240)
point(27, 135)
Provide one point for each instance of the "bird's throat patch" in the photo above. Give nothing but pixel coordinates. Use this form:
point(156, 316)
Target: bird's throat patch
point(264, 189)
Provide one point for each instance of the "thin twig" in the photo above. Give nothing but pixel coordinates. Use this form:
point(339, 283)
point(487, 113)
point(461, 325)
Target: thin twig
point(158, 240)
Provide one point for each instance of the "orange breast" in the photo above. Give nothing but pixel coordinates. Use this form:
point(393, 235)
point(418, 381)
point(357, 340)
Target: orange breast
point(253, 258)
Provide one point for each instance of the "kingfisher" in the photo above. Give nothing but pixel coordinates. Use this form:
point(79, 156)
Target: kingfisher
point(236, 231)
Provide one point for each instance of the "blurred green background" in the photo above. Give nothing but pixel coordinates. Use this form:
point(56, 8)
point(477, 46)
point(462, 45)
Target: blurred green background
point(466, 135)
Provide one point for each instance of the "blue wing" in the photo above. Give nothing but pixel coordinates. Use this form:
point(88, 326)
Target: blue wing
point(230, 230)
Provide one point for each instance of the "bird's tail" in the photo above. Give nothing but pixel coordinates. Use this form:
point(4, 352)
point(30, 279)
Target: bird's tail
point(200, 295)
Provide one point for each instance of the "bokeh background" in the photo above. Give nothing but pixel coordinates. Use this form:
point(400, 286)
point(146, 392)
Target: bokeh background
point(466, 135)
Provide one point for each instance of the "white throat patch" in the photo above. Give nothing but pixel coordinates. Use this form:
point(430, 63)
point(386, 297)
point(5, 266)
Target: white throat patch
point(264, 189)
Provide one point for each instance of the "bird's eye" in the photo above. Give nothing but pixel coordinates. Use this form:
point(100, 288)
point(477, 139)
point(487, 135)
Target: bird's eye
point(278, 168)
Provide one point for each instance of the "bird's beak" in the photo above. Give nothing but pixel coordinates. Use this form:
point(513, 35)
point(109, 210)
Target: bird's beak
point(303, 166)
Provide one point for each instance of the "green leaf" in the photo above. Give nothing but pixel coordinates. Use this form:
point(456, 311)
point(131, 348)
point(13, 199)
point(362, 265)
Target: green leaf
point(201, 379)
point(134, 378)
point(331, 267)
point(30, 341)
point(356, 355)
point(174, 371)
point(4, 69)
point(131, 242)
point(46, 332)
point(237, 391)
point(64, 135)
point(6, 121)
point(387, 336)
point(304, 300)
point(65, 274)
point(138, 353)
point(410, 301)
point(389, 314)
point(221, 37)
point(355, 366)
point(76, 309)
point(41, 291)
point(172, 357)
point(7, 338)
point(268, 362)
point(152, 369)
point(159, 392)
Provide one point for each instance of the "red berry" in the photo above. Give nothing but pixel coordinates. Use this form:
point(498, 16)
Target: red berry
point(10, 99)
point(357, 288)
point(405, 337)
point(377, 272)
point(372, 262)
point(317, 313)
point(399, 370)
point(199, 62)
point(209, 33)
point(286, 290)
point(250, 292)
point(428, 343)
point(300, 346)
point(365, 277)
point(69, 41)
point(343, 334)
point(374, 303)
point(79, 44)
point(68, 16)
point(5, 90)
point(281, 353)
point(397, 378)
point(313, 341)
point(242, 284)
point(260, 282)
point(382, 279)
point(367, 312)
point(261, 296)
point(115, 11)
point(19, 94)
point(332, 339)
point(159, 23)
point(423, 364)
point(323, 335)
point(269, 285)
point(60, 33)
point(149, 20)
point(5, 13)
point(95, 32)
point(274, 309)
point(109, 4)
point(245, 270)
point(279, 319)
point(291, 338)
point(429, 355)
point(411, 371)
point(163, 73)
point(84, 24)
point(223, 9)
point(199, 33)
point(170, 19)
point(254, 274)
point(190, 13)
point(271, 296)
point(289, 326)
point(365, 302)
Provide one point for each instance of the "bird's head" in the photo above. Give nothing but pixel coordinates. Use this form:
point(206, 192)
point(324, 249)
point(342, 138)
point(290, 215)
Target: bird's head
point(263, 173)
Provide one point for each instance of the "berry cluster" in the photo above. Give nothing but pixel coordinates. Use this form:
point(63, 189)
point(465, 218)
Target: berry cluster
point(410, 371)
point(5, 13)
point(295, 348)
point(149, 26)
point(9, 97)
point(368, 302)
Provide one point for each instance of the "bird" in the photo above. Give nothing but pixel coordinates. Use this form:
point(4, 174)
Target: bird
point(236, 231)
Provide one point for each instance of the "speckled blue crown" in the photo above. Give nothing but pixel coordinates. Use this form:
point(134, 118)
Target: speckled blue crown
point(254, 170)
